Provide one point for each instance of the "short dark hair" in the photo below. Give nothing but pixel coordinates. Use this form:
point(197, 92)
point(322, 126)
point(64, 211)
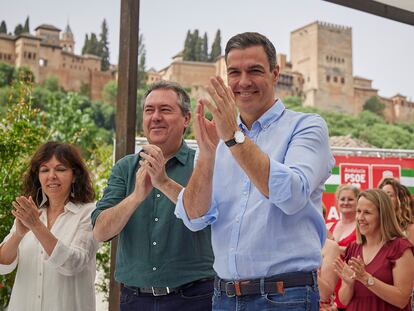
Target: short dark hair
point(183, 98)
point(68, 155)
point(248, 39)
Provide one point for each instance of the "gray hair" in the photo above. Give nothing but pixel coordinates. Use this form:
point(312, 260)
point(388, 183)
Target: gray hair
point(183, 98)
point(248, 39)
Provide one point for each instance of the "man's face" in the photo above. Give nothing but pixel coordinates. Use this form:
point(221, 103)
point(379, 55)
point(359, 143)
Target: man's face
point(163, 121)
point(251, 80)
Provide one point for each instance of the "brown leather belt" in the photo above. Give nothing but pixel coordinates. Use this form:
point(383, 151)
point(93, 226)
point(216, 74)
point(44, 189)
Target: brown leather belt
point(270, 285)
point(163, 291)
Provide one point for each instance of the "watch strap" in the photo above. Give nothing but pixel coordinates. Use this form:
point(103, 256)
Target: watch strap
point(230, 142)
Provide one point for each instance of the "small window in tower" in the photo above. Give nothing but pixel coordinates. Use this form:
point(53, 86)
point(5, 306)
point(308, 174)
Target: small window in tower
point(335, 79)
point(328, 78)
point(9, 57)
point(1, 56)
point(29, 55)
point(343, 80)
point(42, 62)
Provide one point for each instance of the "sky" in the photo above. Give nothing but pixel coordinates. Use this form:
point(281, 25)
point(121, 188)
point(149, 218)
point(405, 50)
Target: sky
point(382, 49)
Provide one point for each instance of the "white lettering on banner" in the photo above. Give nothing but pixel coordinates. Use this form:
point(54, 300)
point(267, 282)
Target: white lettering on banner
point(333, 214)
point(355, 178)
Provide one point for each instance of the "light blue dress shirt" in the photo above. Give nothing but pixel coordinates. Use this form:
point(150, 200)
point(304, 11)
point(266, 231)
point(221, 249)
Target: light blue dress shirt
point(254, 236)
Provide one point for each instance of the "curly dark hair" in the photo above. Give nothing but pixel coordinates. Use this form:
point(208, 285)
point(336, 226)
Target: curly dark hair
point(70, 156)
point(404, 201)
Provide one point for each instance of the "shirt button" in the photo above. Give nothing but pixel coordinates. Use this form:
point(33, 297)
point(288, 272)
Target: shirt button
point(156, 219)
point(154, 268)
point(158, 195)
point(245, 193)
point(38, 296)
point(237, 219)
point(40, 274)
point(154, 243)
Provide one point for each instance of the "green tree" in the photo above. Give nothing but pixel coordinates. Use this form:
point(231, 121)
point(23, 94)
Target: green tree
point(374, 105)
point(85, 47)
point(3, 27)
point(52, 84)
point(198, 44)
point(104, 47)
point(18, 30)
point(20, 135)
point(24, 73)
point(216, 47)
point(26, 27)
point(110, 92)
point(91, 45)
point(188, 52)
point(142, 56)
point(6, 74)
point(204, 50)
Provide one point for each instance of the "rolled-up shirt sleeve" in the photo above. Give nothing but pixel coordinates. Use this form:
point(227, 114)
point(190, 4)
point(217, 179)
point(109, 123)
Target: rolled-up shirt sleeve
point(72, 259)
point(195, 224)
point(306, 166)
point(5, 269)
point(115, 191)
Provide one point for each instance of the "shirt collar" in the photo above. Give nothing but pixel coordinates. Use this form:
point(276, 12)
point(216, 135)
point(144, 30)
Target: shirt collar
point(182, 153)
point(70, 206)
point(271, 115)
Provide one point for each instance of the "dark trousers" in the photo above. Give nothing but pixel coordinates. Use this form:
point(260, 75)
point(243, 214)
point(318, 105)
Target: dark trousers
point(194, 298)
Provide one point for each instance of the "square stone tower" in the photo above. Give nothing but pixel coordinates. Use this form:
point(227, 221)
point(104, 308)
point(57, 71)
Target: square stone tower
point(322, 53)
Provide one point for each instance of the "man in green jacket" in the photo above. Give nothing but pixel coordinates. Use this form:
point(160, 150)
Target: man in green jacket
point(160, 264)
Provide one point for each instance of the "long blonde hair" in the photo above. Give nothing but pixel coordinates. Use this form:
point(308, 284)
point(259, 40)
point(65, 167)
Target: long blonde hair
point(389, 226)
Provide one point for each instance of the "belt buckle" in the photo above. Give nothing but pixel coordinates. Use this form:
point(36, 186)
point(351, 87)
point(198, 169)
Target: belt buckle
point(156, 294)
point(226, 287)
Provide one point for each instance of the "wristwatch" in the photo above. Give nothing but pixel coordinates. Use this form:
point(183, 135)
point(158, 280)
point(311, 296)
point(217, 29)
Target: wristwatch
point(237, 139)
point(370, 281)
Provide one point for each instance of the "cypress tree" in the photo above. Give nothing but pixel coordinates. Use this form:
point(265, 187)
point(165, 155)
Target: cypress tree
point(104, 47)
point(18, 30)
point(94, 45)
point(197, 45)
point(187, 46)
point(216, 47)
point(142, 53)
point(204, 51)
point(3, 27)
point(26, 27)
point(85, 48)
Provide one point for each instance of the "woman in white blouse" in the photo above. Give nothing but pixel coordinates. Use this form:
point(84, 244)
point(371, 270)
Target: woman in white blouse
point(51, 241)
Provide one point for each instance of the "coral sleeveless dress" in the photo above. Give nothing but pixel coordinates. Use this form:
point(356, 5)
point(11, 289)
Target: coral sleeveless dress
point(381, 268)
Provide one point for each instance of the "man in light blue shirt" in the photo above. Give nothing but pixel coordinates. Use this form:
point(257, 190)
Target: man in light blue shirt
point(258, 181)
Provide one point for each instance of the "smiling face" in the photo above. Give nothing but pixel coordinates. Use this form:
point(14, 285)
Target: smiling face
point(347, 202)
point(390, 191)
point(252, 81)
point(368, 218)
point(56, 179)
point(163, 121)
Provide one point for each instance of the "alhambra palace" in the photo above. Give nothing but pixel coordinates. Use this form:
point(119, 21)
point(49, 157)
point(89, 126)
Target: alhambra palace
point(319, 71)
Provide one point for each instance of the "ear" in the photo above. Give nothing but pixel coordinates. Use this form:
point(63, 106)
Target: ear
point(275, 73)
point(187, 119)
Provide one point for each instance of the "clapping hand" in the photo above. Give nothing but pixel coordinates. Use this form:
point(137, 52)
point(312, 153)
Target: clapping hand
point(344, 271)
point(358, 266)
point(26, 213)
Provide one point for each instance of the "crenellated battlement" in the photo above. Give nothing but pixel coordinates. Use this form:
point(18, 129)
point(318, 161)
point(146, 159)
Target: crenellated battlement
point(336, 27)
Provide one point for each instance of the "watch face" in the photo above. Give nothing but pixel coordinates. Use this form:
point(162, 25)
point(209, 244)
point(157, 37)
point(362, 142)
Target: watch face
point(370, 281)
point(239, 137)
